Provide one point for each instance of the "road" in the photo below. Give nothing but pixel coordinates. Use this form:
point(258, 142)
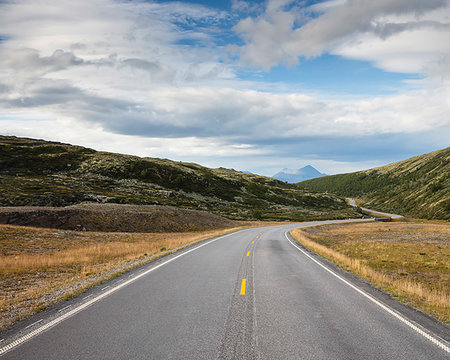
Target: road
point(195, 304)
point(352, 202)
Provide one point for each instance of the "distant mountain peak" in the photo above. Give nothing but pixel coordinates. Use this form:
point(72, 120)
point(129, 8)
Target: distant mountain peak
point(296, 175)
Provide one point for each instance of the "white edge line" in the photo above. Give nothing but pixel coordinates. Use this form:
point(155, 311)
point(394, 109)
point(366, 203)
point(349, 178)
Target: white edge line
point(64, 308)
point(36, 322)
point(375, 301)
point(72, 312)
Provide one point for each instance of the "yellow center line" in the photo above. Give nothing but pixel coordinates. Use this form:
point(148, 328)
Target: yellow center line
point(243, 286)
point(248, 253)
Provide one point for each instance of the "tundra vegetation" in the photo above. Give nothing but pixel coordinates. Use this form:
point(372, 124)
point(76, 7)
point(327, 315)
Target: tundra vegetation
point(41, 173)
point(418, 187)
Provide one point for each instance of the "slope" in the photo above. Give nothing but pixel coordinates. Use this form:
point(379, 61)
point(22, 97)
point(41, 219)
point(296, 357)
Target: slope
point(418, 187)
point(41, 173)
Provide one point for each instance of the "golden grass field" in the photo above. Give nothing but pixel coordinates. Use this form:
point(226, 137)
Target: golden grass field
point(40, 266)
point(409, 260)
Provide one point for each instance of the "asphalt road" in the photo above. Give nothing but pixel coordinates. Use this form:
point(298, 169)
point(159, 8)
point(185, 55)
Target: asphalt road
point(352, 202)
point(195, 305)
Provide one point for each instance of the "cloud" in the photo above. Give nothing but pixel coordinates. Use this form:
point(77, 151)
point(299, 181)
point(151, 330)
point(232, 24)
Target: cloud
point(105, 32)
point(283, 35)
point(246, 6)
point(154, 78)
point(415, 51)
point(243, 115)
point(30, 61)
point(40, 125)
point(110, 50)
point(264, 157)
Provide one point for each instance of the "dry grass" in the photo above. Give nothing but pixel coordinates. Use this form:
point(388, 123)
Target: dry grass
point(409, 260)
point(41, 266)
point(124, 248)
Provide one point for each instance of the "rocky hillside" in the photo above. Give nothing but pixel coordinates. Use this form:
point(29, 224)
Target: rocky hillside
point(41, 173)
point(418, 187)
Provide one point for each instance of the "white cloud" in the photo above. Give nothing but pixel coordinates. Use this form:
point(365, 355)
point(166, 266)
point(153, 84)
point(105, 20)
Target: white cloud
point(383, 31)
point(262, 115)
point(39, 125)
point(105, 35)
point(247, 115)
point(119, 76)
point(259, 159)
point(412, 51)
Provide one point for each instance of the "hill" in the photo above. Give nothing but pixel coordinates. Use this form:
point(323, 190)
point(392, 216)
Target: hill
point(41, 173)
point(417, 187)
point(295, 176)
point(114, 218)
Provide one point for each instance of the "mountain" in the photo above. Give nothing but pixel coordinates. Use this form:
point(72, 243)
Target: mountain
point(417, 187)
point(42, 173)
point(295, 176)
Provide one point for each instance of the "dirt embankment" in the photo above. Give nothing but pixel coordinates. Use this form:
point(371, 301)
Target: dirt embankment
point(114, 218)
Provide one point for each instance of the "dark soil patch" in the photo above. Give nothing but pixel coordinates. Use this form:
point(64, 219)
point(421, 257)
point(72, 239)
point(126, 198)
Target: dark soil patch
point(114, 218)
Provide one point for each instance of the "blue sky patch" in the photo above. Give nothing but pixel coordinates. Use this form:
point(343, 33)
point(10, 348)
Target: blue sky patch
point(334, 74)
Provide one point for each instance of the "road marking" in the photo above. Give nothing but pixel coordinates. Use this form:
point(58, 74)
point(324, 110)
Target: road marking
point(376, 302)
point(105, 287)
point(64, 308)
point(36, 322)
point(1, 340)
point(248, 253)
point(87, 297)
point(83, 306)
point(243, 286)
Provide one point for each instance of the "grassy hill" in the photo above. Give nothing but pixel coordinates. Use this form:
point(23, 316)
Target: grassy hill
point(418, 187)
point(41, 173)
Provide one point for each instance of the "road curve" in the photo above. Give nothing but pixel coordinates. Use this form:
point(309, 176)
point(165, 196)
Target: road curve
point(194, 304)
point(352, 202)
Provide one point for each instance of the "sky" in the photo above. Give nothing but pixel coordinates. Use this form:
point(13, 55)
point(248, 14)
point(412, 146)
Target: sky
point(342, 85)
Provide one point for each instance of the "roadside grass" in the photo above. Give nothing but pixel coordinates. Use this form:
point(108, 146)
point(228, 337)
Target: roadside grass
point(411, 261)
point(39, 266)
